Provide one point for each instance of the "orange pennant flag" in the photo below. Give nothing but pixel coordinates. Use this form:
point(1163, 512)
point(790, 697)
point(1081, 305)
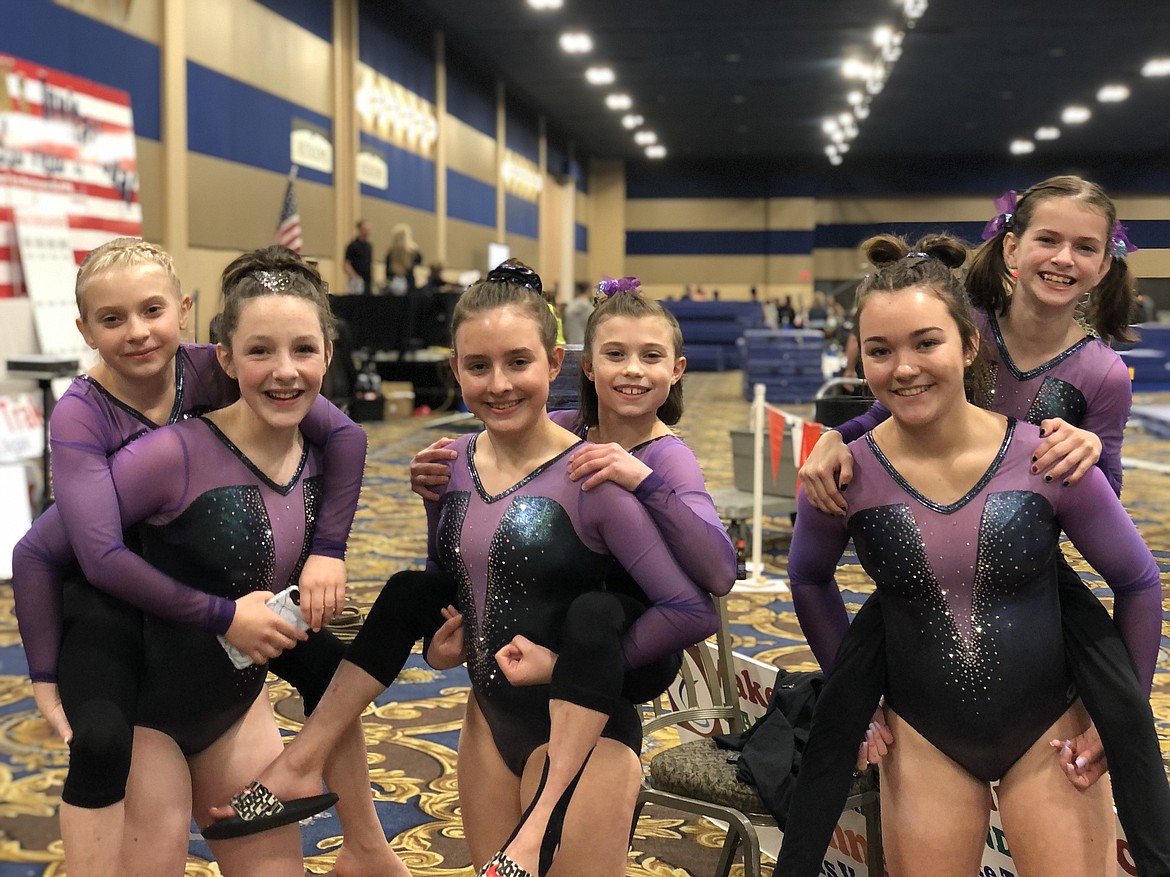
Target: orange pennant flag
point(809, 433)
point(775, 439)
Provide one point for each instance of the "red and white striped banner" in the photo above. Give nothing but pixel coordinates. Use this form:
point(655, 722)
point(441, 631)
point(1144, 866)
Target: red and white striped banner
point(66, 148)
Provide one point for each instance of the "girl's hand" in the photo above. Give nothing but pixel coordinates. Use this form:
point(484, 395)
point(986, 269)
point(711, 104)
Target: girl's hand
point(1066, 453)
point(259, 632)
point(49, 703)
point(608, 462)
point(446, 647)
point(1082, 758)
point(829, 464)
point(431, 467)
point(322, 585)
point(877, 743)
point(524, 662)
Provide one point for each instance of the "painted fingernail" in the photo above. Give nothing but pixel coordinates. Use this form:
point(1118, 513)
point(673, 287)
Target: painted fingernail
point(1034, 459)
point(1041, 433)
point(1047, 477)
point(844, 486)
point(1064, 484)
point(1035, 470)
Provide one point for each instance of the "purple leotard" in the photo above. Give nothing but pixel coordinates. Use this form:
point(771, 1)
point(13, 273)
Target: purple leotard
point(210, 518)
point(521, 557)
point(1087, 385)
point(88, 424)
point(676, 496)
point(968, 594)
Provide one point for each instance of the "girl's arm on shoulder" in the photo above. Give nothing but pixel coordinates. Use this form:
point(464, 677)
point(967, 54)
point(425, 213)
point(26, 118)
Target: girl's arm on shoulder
point(681, 613)
point(39, 563)
point(676, 496)
point(344, 445)
point(1102, 531)
point(818, 541)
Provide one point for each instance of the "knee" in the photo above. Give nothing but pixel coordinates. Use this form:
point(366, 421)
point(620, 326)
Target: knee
point(99, 755)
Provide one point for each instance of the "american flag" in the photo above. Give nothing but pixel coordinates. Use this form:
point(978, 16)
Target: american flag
point(288, 228)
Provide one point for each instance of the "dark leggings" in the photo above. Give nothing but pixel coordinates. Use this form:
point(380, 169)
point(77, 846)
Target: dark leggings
point(99, 675)
point(588, 671)
point(1100, 666)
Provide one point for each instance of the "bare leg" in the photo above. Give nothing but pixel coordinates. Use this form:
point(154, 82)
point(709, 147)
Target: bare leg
point(489, 793)
point(158, 807)
point(935, 815)
point(1053, 827)
point(93, 839)
point(347, 772)
point(575, 732)
point(228, 765)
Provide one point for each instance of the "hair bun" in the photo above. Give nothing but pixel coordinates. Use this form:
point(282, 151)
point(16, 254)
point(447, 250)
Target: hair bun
point(885, 249)
point(948, 250)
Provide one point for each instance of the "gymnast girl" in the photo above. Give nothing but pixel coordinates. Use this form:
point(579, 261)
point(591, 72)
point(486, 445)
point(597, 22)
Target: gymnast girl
point(961, 542)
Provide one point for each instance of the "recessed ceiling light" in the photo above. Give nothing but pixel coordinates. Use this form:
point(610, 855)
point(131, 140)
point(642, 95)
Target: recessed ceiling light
point(835, 159)
point(576, 42)
point(855, 98)
point(861, 111)
point(599, 76)
point(1075, 114)
point(656, 151)
point(1111, 94)
point(645, 138)
point(619, 101)
point(738, 99)
point(883, 35)
point(851, 68)
point(631, 121)
point(1048, 132)
point(830, 150)
point(1022, 147)
point(546, 4)
point(830, 125)
point(1156, 67)
point(733, 58)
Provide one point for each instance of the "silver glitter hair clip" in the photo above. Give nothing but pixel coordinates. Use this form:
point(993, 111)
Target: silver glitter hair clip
point(274, 281)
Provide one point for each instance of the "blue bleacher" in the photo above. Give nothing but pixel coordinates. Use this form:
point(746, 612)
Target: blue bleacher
point(712, 329)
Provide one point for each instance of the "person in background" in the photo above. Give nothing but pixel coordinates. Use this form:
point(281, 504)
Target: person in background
point(577, 315)
point(401, 257)
point(359, 261)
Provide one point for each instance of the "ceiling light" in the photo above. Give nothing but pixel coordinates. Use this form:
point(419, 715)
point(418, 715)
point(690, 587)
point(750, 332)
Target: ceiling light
point(656, 151)
point(830, 150)
point(599, 76)
point(843, 148)
point(576, 42)
point(861, 111)
point(830, 125)
point(1156, 67)
point(619, 101)
point(835, 159)
point(1048, 132)
point(546, 4)
point(645, 138)
point(1112, 94)
point(1075, 115)
point(883, 35)
point(631, 121)
point(851, 68)
point(846, 119)
point(1022, 147)
point(914, 9)
point(855, 98)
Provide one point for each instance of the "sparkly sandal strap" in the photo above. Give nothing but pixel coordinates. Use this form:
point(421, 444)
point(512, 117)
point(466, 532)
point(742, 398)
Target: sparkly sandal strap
point(256, 801)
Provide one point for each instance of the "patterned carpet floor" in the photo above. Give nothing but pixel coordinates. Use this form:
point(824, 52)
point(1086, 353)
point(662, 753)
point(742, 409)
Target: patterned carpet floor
point(412, 730)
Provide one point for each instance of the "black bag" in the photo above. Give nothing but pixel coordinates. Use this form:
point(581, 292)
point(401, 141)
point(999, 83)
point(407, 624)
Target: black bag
point(770, 750)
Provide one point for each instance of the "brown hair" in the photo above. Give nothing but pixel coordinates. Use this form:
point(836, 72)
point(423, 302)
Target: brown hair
point(122, 253)
point(510, 284)
point(272, 270)
point(626, 304)
point(990, 284)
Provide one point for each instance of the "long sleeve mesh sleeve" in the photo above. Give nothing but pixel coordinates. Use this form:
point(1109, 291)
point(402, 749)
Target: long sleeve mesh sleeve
point(818, 541)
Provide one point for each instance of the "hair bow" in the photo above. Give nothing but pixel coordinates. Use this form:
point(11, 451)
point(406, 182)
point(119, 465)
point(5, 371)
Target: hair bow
point(611, 286)
point(1005, 206)
point(1119, 243)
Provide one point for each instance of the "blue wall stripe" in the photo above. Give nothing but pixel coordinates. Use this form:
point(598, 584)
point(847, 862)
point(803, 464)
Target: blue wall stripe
point(470, 200)
point(396, 48)
point(48, 34)
point(580, 238)
point(520, 136)
point(231, 120)
point(471, 101)
point(847, 236)
point(1149, 234)
point(313, 15)
point(722, 243)
point(412, 176)
point(521, 217)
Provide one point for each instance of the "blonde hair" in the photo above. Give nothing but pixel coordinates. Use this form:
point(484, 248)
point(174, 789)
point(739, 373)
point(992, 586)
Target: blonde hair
point(118, 254)
point(402, 249)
